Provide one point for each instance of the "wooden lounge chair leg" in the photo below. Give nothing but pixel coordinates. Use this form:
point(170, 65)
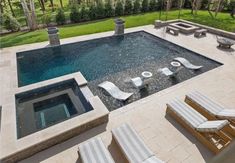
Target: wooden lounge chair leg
point(202, 137)
point(230, 130)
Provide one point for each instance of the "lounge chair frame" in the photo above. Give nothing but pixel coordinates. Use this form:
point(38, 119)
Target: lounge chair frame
point(204, 137)
point(230, 129)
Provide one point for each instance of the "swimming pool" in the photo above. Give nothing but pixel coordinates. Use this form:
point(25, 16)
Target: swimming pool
point(116, 59)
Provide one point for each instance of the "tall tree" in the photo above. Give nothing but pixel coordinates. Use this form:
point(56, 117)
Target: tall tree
point(168, 7)
point(52, 5)
point(10, 5)
point(61, 3)
point(214, 7)
point(181, 4)
point(29, 14)
point(42, 4)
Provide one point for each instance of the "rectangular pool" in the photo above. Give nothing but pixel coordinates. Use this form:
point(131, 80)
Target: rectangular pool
point(116, 59)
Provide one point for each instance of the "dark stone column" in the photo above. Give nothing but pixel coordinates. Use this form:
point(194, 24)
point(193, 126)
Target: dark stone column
point(53, 36)
point(119, 26)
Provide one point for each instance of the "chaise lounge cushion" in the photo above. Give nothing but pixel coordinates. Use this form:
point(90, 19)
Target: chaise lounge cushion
point(212, 126)
point(133, 147)
point(187, 114)
point(227, 113)
point(206, 103)
point(153, 159)
point(210, 106)
point(94, 151)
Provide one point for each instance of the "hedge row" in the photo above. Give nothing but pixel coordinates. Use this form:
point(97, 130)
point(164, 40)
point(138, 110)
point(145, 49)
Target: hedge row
point(108, 9)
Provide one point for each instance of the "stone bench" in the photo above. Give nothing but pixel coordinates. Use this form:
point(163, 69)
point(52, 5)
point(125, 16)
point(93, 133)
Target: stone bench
point(172, 30)
point(200, 33)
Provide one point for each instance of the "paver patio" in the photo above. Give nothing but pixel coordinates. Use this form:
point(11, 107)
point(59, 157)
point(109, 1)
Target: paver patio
point(162, 134)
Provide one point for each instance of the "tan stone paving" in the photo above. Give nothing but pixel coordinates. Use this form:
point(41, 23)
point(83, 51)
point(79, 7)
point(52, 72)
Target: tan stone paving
point(162, 134)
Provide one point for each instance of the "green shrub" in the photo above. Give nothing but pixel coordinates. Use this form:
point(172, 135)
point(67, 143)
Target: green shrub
point(108, 8)
point(46, 19)
point(92, 12)
point(60, 17)
point(84, 14)
point(119, 11)
point(153, 6)
point(128, 7)
point(74, 14)
point(136, 8)
point(145, 6)
point(10, 23)
point(100, 10)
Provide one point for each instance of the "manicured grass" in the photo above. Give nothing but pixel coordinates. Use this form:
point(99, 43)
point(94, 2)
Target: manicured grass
point(223, 21)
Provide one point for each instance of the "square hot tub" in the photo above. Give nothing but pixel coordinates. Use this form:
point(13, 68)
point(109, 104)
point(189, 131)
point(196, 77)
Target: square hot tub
point(185, 28)
point(43, 107)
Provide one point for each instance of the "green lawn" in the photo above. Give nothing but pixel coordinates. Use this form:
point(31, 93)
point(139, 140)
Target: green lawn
point(223, 21)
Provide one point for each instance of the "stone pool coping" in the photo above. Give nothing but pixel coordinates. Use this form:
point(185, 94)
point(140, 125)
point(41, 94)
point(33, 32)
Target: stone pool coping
point(9, 87)
point(33, 143)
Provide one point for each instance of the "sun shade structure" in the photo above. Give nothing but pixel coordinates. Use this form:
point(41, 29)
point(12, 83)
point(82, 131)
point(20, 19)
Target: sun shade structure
point(187, 64)
point(132, 146)
point(114, 91)
point(94, 151)
point(210, 108)
point(210, 133)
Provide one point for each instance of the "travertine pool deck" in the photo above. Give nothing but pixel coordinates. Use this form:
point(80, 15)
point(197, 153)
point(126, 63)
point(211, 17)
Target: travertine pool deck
point(161, 133)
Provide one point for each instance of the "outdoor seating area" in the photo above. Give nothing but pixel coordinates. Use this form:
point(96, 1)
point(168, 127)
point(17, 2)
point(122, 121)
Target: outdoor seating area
point(145, 96)
point(210, 133)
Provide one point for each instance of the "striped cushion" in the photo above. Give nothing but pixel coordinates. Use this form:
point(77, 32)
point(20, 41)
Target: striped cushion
point(94, 151)
point(227, 113)
point(133, 147)
point(187, 113)
point(153, 159)
point(212, 126)
point(204, 102)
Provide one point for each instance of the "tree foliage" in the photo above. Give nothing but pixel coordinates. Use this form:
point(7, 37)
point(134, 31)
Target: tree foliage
point(145, 6)
point(60, 17)
point(74, 14)
point(109, 11)
point(128, 7)
point(10, 23)
point(119, 11)
point(136, 7)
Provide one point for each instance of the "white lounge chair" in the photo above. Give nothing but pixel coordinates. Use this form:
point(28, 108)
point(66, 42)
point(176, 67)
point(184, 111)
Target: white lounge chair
point(114, 91)
point(210, 108)
point(166, 71)
point(138, 82)
point(211, 133)
point(132, 146)
point(187, 64)
point(94, 151)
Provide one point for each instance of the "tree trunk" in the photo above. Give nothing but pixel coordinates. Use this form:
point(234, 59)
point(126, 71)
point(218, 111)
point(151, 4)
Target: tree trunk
point(33, 15)
point(181, 4)
point(52, 5)
point(61, 3)
point(41, 2)
point(12, 12)
point(26, 13)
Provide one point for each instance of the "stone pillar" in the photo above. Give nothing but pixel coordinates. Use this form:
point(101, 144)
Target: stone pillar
point(53, 36)
point(119, 26)
point(159, 23)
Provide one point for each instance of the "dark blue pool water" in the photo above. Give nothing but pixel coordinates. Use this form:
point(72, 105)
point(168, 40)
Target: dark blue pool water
point(94, 58)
